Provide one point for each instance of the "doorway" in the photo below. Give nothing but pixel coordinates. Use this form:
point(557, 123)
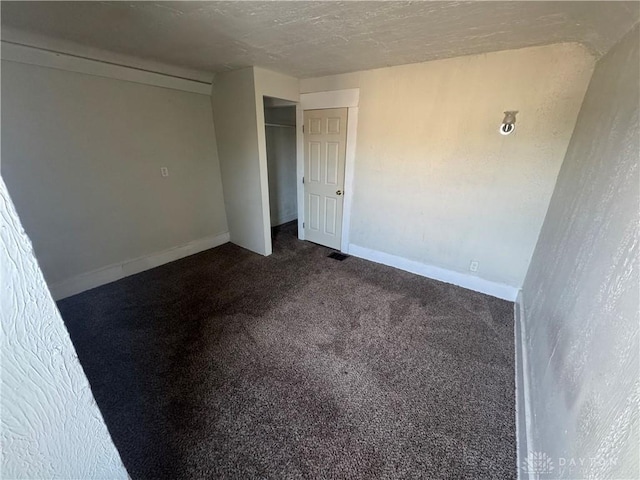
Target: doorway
point(328, 102)
point(281, 148)
point(325, 141)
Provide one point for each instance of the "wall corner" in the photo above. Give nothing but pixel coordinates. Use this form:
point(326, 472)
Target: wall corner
point(523, 405)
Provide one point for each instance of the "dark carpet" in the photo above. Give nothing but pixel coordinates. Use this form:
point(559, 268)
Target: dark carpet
point(227, 364)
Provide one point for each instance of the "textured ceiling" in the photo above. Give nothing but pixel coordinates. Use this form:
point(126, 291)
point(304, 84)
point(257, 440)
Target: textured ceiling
point(307, 39)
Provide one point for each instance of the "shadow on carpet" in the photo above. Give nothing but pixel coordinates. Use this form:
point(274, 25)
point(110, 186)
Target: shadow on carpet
point(227, 364)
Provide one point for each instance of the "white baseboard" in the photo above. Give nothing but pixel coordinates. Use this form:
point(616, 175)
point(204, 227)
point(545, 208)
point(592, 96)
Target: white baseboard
point(470, 282)
point(111, 273)
point(523, 405)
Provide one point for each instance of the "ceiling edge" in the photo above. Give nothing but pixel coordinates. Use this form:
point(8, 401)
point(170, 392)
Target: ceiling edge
point(24, 38)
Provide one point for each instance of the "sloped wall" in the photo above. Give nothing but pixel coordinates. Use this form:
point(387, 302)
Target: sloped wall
point(580, 297)
point(50, 424)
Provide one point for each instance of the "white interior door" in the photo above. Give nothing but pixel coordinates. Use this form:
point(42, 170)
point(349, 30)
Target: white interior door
point(325, 141)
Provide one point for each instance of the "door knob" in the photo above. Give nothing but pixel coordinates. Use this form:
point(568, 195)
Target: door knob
point(339, 192)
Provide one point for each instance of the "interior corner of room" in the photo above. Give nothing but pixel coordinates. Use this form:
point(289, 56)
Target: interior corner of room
point(117, 165)
point(451, 200)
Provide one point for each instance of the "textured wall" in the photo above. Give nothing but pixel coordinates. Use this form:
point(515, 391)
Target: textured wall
point(581, 291)
point(82, 154)
point(435, 182)
point(50, 424)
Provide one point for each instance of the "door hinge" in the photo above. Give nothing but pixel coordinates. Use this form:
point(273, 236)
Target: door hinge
point(302, 224)
point(302, 128)
point(302, 179)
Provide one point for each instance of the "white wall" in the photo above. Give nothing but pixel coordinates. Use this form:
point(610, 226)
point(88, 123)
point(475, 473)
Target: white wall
point(50, 424)
point(279, 86)
point(281, 160)
point(580, 297)
point(434, 183)
point(234, 112)
point(238, 106)
point(81, 155)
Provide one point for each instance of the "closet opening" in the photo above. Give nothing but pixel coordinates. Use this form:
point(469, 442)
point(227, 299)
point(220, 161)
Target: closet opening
point(280, 134)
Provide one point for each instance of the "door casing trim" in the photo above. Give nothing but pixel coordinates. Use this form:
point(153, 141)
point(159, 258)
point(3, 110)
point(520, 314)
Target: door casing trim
point(348, 99)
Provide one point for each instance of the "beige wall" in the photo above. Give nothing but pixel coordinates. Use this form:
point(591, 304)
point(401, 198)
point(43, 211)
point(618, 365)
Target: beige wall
point(580, 296)
point(435, 182)
point(81, 156)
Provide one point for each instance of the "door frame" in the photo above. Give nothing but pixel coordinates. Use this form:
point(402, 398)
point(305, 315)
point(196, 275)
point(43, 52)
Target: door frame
point(348, 99)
